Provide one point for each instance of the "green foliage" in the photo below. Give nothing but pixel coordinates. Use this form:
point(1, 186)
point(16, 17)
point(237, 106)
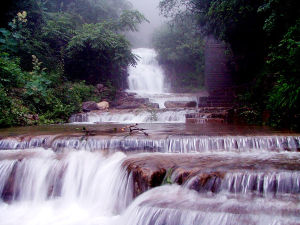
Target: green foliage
point(11, 75)
point(284, 104)
point(180, 49)
point(97, 54)
point(7, 42)
point(75, 40)
point(129, 19)
point(264, 36)
point(24, 95)
point(5, 105)
point(12, 110)
point(167, 179)
point(46, 29)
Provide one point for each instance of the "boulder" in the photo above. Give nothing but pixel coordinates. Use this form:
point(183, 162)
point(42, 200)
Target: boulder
point(89, 106)
point(103, 105)
point(132, 103)
point(180, 104)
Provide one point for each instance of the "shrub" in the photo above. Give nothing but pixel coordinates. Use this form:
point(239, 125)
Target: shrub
point(11, 75)
point(283, 103)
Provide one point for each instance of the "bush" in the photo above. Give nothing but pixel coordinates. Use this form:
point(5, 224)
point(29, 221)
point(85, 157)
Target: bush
point(180, 49)
point(97, 54)
point(284, 104)
point(11, 75)
point(47, 97)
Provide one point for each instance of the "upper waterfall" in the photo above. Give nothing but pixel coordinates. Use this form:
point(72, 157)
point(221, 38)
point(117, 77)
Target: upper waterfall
point(147, 76)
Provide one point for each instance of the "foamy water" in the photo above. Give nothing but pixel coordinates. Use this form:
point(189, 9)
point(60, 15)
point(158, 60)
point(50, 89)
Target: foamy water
point(147, 80)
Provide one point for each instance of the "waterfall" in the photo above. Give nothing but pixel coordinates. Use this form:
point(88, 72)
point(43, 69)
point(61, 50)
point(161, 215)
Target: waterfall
point(74, 176)
point(133, 116)
point(169, 143)
point(147, 76)
point(69, 180)
point(147, 80)
point(173, 205)
point(68, 188)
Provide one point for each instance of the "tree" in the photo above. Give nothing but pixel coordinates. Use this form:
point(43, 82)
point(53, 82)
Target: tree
point(264, 37)
point(180, 49)
point(96, 54)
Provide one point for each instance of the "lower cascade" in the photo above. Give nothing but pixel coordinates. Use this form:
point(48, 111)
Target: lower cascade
point(71, 180)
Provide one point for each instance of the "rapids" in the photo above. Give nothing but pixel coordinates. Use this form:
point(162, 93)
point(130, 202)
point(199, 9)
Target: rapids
point(39, 186)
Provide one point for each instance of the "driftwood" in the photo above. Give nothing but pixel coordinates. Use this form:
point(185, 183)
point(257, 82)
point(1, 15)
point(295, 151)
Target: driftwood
point(134, 129)
point(87, 133)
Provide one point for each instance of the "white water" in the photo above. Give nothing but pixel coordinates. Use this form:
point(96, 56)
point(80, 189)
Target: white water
point(147, 76)
point(82, 187)
point(161, 143)
point(174, 205)
point(147, 79)
point(138, 116)
point(70, 188)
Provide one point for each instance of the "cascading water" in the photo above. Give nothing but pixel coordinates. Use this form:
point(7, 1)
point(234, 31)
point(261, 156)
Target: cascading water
point(171, 176)
point(75, 180)
point(146, 77)
point(147, 81)
point(67, 188)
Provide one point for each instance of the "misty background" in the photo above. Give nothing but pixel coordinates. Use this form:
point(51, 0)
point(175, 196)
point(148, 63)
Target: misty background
point(143, 38)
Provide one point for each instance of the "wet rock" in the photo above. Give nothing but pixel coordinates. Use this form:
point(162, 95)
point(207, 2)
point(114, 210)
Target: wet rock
point(214, 174)
point(208, 115)
point(89, 106)
point(126, 100)
point(103, 105)
point(204, 120)
point(207, 182)
point(180, 104)
point(132, 103)
point(8, 189)
point(144, 177)
point(181, 175)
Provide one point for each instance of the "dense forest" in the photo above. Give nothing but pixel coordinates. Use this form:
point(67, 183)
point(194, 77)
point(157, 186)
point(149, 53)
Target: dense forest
point(52, 51)
point(264, 36)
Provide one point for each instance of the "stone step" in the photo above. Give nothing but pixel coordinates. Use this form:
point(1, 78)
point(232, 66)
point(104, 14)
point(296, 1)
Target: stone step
point(216, 101)
point(207, 115)
point(204, 120)
point(216, 104)
point(215, 97)
point(213, 109)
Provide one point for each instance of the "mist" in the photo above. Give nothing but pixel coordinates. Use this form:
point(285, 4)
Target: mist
point(150, 9)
